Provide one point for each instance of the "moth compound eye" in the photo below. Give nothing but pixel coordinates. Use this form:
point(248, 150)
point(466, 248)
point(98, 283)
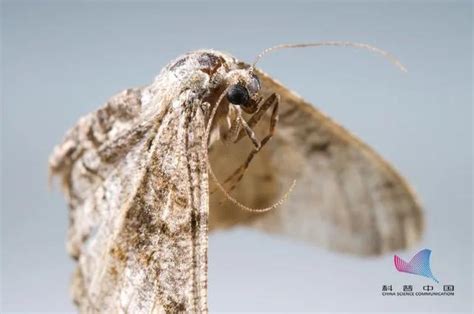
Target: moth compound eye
point(238, 95)
point(254, 85)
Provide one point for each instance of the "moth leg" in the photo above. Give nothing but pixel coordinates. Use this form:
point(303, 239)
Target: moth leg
point(251, 134)
point(233, 125)
point(236, 128)
point(272, 100)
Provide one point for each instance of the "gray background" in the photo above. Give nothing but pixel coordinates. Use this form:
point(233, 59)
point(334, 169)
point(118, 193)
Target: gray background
point(63, 60)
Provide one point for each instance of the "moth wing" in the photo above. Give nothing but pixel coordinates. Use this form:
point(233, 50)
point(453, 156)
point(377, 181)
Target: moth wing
point(141, 241)
point(346, 196)
point(96, 143)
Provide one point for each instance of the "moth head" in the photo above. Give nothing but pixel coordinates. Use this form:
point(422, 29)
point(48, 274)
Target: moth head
point(244, 90)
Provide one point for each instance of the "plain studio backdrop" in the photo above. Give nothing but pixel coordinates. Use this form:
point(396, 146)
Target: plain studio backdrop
point(63, 60)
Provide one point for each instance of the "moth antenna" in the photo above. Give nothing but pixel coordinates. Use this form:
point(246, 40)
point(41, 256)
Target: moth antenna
point(219, 185)
point(244, 207)
point(368, 47)
point(211, 117)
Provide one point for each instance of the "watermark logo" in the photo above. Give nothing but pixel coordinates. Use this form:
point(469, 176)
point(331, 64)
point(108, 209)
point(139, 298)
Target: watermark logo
point(418, 265)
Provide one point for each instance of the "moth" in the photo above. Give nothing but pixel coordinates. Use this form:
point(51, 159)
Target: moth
point(145, 175)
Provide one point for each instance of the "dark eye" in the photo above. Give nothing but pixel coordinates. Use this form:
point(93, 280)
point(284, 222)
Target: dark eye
point(238, 95)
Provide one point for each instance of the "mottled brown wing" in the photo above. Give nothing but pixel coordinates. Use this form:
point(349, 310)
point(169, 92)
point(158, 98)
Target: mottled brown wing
point(346, 197)
point(140, 232)
point(88, 145)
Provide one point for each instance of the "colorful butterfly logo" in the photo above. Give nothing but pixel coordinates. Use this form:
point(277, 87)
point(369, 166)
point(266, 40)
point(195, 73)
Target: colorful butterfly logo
point(418, 265)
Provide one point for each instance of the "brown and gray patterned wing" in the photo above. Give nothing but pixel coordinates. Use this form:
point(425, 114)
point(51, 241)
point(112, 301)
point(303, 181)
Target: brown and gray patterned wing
point(346, 196)
point(100, 138)
point(90, 151)
point(145, 249)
